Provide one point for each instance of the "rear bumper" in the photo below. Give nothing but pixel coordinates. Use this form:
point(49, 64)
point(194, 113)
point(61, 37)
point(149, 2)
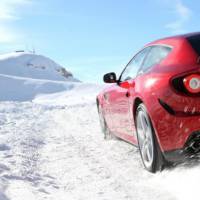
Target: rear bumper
point(173, 131)
point(192, 146)
point(175, 155)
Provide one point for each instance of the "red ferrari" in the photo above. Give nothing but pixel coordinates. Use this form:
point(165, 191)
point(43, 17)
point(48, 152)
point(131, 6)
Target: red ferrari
point(155, 102)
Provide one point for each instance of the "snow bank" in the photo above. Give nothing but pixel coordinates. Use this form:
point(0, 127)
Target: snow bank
point(13, 88)
point(80, 94)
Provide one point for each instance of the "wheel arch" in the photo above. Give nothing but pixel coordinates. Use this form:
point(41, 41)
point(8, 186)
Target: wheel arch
point(136, 103)
point(97, 101)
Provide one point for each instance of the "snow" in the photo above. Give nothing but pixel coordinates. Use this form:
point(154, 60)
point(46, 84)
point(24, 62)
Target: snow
point(33, 66)
point(57, 151)
point(15, 88)
point(52, 147)
point(23, 76)
point(84, 91)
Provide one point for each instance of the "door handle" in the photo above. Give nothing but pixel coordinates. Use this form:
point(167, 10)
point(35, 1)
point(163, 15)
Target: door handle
point(128, 94)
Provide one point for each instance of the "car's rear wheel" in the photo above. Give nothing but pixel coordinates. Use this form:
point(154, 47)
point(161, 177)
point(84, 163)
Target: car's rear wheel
point(148, 146)
point(103, 123)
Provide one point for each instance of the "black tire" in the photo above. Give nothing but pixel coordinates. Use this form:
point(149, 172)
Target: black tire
point(149, 148)
point(103, 123)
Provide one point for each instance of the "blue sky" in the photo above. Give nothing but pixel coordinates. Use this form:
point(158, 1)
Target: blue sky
point(91, 37)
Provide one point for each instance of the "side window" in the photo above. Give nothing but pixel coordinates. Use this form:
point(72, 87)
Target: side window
point(155, 56)
point(134, 65)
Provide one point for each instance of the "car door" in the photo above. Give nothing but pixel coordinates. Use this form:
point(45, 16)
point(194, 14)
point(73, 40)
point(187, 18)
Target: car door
point(119, 95)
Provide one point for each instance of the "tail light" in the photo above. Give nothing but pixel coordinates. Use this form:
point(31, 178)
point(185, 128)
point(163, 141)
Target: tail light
point(187, 84)
point(192, 83)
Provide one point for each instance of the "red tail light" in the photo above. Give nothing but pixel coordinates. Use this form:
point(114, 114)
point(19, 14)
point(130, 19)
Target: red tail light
point(192, 83)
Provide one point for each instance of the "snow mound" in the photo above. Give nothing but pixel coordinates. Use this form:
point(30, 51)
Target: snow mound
point(33, 66)
point(15, 88)
point(86, 92)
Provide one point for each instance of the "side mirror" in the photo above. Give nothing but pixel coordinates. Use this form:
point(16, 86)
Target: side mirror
point(110, 78)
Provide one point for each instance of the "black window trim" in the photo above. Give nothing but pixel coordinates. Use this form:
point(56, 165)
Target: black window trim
point(192, 40)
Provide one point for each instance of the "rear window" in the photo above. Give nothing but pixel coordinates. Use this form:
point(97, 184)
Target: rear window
point(195, 42)
point(155, 56)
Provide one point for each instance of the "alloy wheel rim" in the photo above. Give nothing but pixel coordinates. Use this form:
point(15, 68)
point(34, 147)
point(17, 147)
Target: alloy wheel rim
point(145, 138)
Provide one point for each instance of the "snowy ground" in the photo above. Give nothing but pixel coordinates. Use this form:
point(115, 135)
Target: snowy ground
point(52, 148)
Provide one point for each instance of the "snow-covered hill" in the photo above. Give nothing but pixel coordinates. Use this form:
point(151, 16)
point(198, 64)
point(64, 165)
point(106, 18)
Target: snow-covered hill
point(33, 66)
point(23, 76)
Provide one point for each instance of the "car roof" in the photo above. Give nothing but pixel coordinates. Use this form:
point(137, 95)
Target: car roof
point(176, 38)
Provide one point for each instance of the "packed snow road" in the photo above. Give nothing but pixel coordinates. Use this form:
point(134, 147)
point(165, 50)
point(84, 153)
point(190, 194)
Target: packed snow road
point(57, 152)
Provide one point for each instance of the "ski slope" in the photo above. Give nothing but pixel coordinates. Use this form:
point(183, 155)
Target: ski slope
point(52, 148)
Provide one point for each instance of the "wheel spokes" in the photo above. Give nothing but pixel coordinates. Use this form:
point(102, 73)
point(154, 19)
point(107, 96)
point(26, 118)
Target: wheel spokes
point(145, 138)
point(144, 150)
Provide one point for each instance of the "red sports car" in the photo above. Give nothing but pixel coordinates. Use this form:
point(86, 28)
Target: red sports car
point(155, 102)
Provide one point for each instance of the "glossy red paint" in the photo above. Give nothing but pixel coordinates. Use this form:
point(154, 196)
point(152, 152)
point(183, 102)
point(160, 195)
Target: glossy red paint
point(127, 84)
point(155, 88)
